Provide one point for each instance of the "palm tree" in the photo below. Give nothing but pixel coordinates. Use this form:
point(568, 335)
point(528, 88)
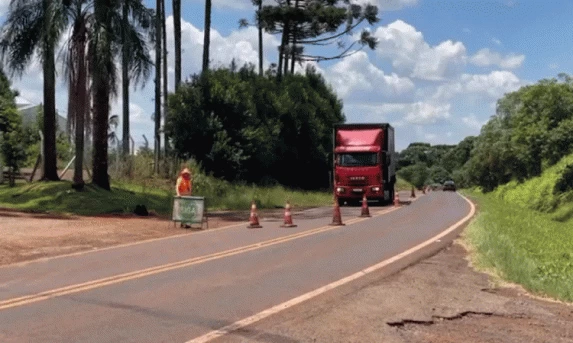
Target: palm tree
point(133, 14)
point(207, 35)
point(76, 68)
point(157, 114)
point(106, 44)
point(35, 26)
point(177, 38)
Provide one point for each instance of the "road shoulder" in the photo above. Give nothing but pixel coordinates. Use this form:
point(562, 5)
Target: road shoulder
point(440, 299)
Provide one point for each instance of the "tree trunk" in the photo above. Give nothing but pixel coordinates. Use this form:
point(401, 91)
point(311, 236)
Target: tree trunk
point(50, 162)
point(177, 37)
point(260, 26)
point(158, 39)
point(207, 35)
point(281, 55)
point(101, 90)
point(165, 78)
point(79, 114)
point(125, 83)
point(293, 52)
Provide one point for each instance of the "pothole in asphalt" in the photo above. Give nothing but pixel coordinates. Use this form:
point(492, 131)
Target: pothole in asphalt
point(483, 327)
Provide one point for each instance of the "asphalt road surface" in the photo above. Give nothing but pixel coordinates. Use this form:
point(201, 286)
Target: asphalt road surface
point(177, 289)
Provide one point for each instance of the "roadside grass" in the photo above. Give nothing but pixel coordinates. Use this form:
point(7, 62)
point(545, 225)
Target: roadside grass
point(402, 185)
point(538, 193)
point(522, 246)
point(155, 194)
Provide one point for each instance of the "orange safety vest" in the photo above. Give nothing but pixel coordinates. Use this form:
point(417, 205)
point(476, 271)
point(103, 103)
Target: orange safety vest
point(184, 186)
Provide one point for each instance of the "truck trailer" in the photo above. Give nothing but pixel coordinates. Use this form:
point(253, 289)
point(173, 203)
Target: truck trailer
point(364, 162)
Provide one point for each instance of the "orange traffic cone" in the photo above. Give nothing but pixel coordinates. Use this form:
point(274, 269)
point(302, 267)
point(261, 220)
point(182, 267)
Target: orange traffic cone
point(413, 195)
point(336, 217)
point(396, 199)
point(288, 217)
point(365, 210)
point(254, 219)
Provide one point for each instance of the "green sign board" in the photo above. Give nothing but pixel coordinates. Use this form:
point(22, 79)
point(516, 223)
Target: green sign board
point(188, 209)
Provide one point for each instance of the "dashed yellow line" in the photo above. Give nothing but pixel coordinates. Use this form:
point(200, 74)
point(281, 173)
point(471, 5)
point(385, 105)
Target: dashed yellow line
point(58, 292)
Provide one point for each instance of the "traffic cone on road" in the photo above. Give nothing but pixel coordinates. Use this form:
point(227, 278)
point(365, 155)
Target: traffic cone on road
point(396, 199)
point(288, 217)
point(336, 217)
point(254, 219)
point(365, 211)
point(413, 195)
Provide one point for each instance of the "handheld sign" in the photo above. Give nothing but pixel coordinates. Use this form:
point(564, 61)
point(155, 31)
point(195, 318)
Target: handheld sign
point(188, 209)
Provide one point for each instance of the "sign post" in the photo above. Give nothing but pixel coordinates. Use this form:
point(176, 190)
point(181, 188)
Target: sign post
point(189, 210)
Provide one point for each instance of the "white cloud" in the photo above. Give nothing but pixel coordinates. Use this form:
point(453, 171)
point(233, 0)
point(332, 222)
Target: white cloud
point(472, 122)
point(486, 57)
point(355, 76)
point(410, 54)
point(493, 85)
point(426, 113)
point(4, 5)
point(496, 41)
point(553, 66)
point(388, 5)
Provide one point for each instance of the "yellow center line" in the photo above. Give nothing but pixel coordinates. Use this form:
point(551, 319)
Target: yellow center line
point(32, 298)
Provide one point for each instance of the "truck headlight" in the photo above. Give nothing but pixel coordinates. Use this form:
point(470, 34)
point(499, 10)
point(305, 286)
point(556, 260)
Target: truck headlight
point(375, 189)
point(340, 190)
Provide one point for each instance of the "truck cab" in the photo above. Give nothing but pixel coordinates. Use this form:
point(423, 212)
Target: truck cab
point(363, 162)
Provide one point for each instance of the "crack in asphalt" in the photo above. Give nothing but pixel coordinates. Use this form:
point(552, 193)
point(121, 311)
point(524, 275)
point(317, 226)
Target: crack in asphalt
point(461, 315)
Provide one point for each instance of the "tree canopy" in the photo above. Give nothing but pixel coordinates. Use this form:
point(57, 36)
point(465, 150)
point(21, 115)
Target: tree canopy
point(243, 126)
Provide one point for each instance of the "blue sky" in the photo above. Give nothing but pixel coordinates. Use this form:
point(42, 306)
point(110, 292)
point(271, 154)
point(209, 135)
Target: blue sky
point(438, 70)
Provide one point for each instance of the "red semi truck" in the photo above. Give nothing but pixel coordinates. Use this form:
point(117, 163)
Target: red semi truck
point(364, 162)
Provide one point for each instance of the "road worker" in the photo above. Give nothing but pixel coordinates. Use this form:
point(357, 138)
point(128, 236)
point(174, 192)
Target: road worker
point(184, 187)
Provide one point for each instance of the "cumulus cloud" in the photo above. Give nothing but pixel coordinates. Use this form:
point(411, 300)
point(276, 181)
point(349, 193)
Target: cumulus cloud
point(473, 122)
point(356, 75)
point(4, 5)
point(409, 53)
point(486, 57)
point(493, 85)
point(388, 5)
point(426, 113)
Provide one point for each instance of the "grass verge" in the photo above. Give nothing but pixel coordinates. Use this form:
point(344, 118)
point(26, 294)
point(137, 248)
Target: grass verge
point(156, 195)
point(402, 185)
point(522, 246)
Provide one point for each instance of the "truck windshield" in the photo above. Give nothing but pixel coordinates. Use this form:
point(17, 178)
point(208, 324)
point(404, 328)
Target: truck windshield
point(357, 159)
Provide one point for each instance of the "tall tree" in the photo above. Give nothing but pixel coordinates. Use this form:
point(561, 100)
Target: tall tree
point(76, 68)
point(177, 38)
point(104, 74)
point(106, 45)
point(317, 23)
point(35, 26)
point(207, 35)
point(125, 55)
point(134, 16)
point(244, 23)
point(157, 114)
point(165, 78)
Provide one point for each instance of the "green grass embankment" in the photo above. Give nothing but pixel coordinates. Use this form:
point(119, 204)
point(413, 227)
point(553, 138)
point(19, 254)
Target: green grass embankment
point(524, 233)
point(539, 194)
point(156, 195)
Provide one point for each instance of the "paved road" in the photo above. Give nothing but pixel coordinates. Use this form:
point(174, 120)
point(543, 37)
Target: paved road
point(176, 289)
